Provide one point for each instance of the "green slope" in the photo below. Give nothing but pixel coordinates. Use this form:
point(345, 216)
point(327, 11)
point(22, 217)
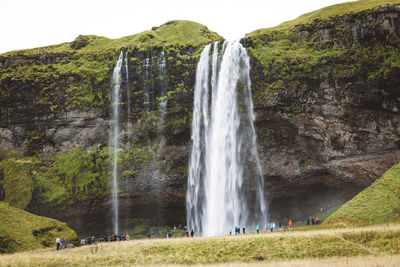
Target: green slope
point(178, 33)
point(328, 12)
point(21, 230)
point(379, 203)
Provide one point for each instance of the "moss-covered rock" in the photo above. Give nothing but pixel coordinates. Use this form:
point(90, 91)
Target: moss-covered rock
point(21, 230)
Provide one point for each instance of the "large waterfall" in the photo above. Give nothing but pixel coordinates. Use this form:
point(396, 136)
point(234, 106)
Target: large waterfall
point(225, 183)
point(114, 137)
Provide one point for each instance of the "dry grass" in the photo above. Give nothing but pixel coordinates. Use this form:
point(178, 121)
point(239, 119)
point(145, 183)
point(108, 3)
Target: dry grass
point(296, 248)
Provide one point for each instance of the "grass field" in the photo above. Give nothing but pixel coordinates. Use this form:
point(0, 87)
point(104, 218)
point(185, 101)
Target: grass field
point(330, 245)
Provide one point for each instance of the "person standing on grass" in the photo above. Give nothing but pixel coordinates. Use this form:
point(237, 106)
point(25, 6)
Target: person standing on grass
point(63, 243)
point(58, 243)
point(244, 229)
point(258, 228)
point(192, 233)
point(290, 224)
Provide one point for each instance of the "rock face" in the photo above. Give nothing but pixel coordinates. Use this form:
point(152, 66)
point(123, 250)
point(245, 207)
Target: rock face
point(323, 135)
point(327, 121)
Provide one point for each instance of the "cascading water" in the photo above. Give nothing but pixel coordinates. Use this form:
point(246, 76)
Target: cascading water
point(163, 84)
point(128, 92)
point(114, 137)
point(148, 81)
point(224, 143)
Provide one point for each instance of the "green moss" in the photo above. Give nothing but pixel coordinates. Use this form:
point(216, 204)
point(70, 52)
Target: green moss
point(76, 75)
point(17, 180)
point(377, 204)
point(21, 230)
point(74, 176)
point(284, 59)
point(328, 12)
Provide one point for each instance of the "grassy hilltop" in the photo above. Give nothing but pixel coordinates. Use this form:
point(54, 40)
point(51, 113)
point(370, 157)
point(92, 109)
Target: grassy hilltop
point(21, 230)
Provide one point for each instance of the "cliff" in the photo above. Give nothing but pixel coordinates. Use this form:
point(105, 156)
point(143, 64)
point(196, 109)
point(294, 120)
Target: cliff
point(326, 88)
point(326, 93)
point(55, 120)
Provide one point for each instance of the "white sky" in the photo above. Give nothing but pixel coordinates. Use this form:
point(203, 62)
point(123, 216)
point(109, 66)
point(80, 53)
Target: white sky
point(34, 23)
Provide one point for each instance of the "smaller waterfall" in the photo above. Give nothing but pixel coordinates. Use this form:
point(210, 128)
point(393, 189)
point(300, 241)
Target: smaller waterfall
point(128, 97)
point(114, 138)
point(163, 84)
point(148, 81)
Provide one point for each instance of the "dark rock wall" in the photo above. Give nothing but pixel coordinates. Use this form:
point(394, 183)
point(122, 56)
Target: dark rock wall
point(323, 142)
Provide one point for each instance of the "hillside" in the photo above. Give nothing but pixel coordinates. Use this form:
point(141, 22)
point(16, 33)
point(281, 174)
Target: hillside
point(378, 204)
point(21, 230)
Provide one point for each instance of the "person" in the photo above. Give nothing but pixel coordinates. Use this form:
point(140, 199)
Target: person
point(192, 233)
point(280, 225)
point(244, 229)
point(174, 227)
point(148, 235)
point(318, 220)
point(290, 224)
point(313, 221)
point(272, 226)
point(167, 236)
point(58, 243)
point(63, 243)
point(127, 237)
point(308, 221)
point(258, 228)
point(187, 233)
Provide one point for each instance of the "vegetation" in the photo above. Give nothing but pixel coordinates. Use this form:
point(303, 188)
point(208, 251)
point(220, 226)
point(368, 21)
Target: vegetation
point(377, 204)
point(250, 248)
point(61, 181)
point(297, 54)
point(21, 230)
point(329, 12)
point(76, 75)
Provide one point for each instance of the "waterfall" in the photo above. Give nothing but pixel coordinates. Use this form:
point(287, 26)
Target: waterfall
point(223, 145)
point(163, 84)
point(114, 137)
point(128, 93)
point(148, 81)
point(200, 108)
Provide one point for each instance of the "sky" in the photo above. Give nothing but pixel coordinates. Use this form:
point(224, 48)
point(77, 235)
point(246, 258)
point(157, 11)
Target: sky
point(35, 23)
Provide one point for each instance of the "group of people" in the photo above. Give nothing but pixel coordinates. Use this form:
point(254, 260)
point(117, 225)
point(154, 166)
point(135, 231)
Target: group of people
point(187, 232)
point(60, 243)
point(237, 230)
point(314, 221)
point(271, 226)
